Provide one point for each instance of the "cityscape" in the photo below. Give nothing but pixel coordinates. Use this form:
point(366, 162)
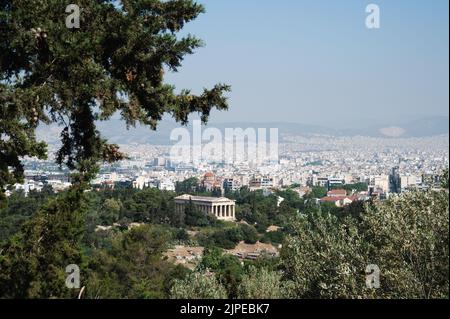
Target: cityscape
point(304, 161)
point(224, 158)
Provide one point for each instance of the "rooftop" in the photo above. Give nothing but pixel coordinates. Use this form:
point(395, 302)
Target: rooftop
point(337, 198)
point(338, 192)
point(187, 197)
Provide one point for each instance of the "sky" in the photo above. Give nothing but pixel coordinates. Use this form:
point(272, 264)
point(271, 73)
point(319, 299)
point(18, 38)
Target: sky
point(315, 62)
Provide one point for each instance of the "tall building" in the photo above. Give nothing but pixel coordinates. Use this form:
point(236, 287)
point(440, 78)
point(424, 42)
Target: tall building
point(410, 181)
point(379, 183)
point(159, 162)
point(335, 182)
point(261, 183)
point(320, 181)
point(166, 185)
point(231, 184)
point(395, 182)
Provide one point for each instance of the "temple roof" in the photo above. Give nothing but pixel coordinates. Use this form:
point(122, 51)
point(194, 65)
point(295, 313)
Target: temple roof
point(187, 197)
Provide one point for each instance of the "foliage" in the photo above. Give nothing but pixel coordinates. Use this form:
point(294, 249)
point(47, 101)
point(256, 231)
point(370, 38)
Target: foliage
point(260, 284)
point(330, 208)
point(33, 261)
point(291, 198)
point(444, 179)
point(359, 187)
point(226, 238)
point(132, 268)
point(19, 208)
point(188, 186)
point(409, 237)
point(114, 63)
point(255, 208)
point(230, 274)
point(17, 134)
point(317, 192)
point(406, 237)
point(182, 235)
point(212, 257)
point(322, 257)
point(198, 285)
point(227, 269)
point(249, 234)
point(275, 237)
point(175, 274)
point(194, 216)
point(110, 212)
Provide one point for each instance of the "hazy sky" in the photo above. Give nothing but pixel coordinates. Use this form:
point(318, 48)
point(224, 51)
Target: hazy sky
point(314, 61)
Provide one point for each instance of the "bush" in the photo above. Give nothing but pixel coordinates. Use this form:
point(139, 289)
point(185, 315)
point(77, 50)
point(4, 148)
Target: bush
point(249, 234)
point(260, 284)
point(223, 239)
point(406, 237)
point(194, 216)
point(198, 286)
point(181, 235)
point(276, 237)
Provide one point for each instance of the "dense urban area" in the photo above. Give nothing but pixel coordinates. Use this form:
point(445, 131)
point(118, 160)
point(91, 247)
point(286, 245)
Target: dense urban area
point(382, 165)
point(148, 204)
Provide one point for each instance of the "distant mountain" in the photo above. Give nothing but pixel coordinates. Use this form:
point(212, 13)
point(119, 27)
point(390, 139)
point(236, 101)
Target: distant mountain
point(424, 127)
point(283, 127)
point(427, 127)
point(116, 132)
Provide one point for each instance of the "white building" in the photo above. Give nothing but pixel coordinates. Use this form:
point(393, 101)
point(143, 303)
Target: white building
point(410, 181)
point(166, 185)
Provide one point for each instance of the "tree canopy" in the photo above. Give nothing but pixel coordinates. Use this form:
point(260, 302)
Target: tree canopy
point(406, 237)
point(113, 64)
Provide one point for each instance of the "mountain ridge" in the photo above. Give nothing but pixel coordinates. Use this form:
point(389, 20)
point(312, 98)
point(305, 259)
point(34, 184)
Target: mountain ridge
point(115, 130)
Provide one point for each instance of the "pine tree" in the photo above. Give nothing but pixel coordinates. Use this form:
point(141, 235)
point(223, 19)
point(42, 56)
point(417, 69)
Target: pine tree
point(114, 63)
point(33, 262)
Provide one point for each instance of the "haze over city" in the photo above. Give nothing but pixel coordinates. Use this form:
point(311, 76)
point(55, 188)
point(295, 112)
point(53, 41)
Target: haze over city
point(316, 62)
